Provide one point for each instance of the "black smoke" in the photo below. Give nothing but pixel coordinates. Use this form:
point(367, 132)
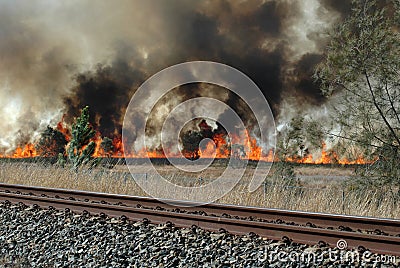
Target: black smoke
point(107, 91)
point(238, 40)
point(59, 65)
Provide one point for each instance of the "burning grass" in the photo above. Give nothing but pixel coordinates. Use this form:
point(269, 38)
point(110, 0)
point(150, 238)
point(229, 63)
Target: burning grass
point(219, 145)
point(317, 195)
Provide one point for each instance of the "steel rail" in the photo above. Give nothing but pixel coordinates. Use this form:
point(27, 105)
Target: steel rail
point(299, 234)
point(291, 217)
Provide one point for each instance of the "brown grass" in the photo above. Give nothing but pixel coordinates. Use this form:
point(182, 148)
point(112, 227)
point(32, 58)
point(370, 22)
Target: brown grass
point(319, 195)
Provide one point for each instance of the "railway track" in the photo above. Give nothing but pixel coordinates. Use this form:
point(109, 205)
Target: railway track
point(374, 234)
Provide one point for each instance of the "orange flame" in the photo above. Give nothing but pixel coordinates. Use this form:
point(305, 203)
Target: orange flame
point(63, 129)
point(217, 147)
point(24, 152)
point(327, 157)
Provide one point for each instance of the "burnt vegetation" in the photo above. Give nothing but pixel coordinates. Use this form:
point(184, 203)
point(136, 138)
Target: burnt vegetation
point(51, 143)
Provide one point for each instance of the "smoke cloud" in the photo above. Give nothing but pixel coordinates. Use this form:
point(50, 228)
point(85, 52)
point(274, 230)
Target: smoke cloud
point(58, 56)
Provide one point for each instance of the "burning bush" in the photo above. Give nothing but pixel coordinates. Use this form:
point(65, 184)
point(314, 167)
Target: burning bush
point(107, 146)
point(190, 142)
point(51, 143)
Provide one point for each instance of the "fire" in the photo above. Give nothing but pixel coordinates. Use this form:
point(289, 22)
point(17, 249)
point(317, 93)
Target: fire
point(118, 147)
point(23, 152)
point(210, 151)
point(153, 154)
point(327, 157)
point(98, 151)
point(218, 146)
point(252, 149)
point(63, 129)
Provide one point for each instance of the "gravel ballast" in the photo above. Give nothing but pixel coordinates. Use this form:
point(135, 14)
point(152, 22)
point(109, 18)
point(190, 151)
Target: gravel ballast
point(34, 237)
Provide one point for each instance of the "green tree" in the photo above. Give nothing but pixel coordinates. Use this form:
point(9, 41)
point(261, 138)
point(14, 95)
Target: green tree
point(296, 140)
point(361, 70)
point(51, 143)
point(81, 148)
point(299, 138)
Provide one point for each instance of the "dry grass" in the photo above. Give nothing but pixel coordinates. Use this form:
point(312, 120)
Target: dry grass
point(317, 196)
point(326, 171)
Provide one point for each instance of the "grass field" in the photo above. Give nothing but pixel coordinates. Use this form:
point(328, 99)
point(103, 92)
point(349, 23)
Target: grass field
point(318, 188)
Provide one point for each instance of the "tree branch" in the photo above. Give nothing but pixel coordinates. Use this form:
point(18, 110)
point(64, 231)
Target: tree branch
point(363, 98)
point(391, 103)
point(376, 136)
point(379, 109)
point(350, 139)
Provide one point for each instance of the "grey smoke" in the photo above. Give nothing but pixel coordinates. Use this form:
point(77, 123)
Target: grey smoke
point(58, 56)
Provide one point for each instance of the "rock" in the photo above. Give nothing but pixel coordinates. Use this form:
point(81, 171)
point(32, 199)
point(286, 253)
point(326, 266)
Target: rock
point(33, 237)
